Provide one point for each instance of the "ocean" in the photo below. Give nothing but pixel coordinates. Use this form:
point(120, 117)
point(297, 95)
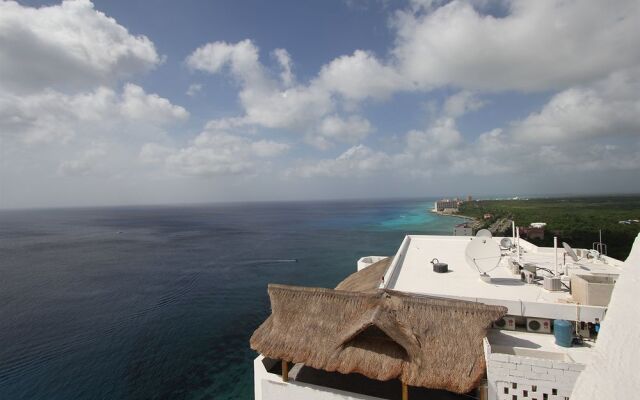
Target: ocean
point(160, 302)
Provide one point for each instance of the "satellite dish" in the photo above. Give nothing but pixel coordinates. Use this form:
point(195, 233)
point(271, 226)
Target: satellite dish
point(570, 251)
point(483, 255)
point(484, 233)
point(506, 243)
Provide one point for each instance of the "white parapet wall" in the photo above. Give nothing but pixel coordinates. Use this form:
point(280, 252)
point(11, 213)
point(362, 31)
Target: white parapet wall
point(364, 262)
point(270, 386)
point(612, 372)
point(515, 377)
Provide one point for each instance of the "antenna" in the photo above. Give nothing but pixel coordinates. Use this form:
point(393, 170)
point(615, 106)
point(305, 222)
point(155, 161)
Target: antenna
point(570, 251)
point(555, 253)
point(484, 233)
point(483, 255)
point(518, 243)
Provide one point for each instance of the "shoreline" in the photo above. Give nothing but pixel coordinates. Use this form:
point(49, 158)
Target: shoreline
point(453, 215)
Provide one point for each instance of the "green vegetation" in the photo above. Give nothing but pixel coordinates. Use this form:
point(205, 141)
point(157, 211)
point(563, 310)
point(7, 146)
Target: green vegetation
point(574, 220)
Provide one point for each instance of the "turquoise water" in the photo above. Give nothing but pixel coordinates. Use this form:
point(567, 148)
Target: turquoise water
point(418, 219)
point(160, 302)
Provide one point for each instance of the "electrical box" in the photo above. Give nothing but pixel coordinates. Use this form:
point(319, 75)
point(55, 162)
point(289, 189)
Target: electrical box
point(552, 283)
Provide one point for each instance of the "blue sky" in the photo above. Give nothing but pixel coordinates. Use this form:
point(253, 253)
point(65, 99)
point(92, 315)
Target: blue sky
point(137, 102)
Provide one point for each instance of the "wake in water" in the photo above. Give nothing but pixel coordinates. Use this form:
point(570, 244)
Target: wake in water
point(275, 261)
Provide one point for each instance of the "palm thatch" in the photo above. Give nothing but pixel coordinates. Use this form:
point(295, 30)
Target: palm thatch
point(423, 341)
point(366, 279)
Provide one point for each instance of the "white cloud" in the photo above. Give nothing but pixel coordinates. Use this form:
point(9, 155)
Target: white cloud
point(361, 75)
point(333, 129)
point(284, 59)
point(461, 103)
point(138, 105)
point(440, 151)
point(352, 129)
point(537, 45)
point(268, 148)
point(51, 116)
point(266, 102)
point(242, 58)
point(357, 161)
point(607, 108)
point(214, 153)
point(84, 164)
point(70, 45)
point(194, 89)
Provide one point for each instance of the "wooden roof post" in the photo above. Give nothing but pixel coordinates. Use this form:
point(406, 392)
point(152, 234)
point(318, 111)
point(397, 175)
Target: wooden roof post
point(285, 371)
point(405, 391)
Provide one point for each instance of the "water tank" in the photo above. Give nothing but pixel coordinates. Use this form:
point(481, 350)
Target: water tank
point(563, 332)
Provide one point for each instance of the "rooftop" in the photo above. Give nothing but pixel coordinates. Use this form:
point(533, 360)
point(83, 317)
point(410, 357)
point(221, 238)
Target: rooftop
point(410, 271)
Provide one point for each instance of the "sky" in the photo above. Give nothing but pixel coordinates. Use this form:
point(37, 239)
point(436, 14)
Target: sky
point(140, 102)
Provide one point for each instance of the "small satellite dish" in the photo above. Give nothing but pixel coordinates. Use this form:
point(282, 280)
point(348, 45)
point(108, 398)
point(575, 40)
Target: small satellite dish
point(570, 251)
point(484, 233)
point(506, 243)
point(483, 255)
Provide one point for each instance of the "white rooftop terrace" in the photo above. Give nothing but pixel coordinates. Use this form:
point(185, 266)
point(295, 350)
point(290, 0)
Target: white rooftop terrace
point(411, 271)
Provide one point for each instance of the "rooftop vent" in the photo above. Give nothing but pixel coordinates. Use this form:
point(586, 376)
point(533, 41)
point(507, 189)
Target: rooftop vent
point(439, 267)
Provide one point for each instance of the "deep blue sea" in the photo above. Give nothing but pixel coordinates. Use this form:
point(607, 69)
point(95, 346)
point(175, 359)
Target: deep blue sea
point(160, 302)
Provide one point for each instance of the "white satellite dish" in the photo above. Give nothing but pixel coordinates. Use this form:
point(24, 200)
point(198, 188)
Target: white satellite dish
point(484, 233)
point(506, 243)
point(570, 251)
point(483, 255)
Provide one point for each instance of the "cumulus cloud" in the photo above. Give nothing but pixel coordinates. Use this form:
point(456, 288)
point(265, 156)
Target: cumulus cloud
point(242, 58)
point(267, 102)
point(51, 116)
point(358, 160)
point(213, 153)
point(606, 108)
point(537, 45)
point(70, 45)
point(336, 129)
point(284, 59)
point(441, 150)
point(461, 103)
point(282, 103)
point(362, 75)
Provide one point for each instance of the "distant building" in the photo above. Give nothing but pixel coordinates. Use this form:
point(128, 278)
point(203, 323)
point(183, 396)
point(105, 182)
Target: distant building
point(462, 230)
point(441, 205)
point(538, 224)
point(469, 198)
point(488, 216)
point(532, 233)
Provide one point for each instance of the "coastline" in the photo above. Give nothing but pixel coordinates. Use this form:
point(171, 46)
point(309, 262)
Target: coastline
point(472, 219)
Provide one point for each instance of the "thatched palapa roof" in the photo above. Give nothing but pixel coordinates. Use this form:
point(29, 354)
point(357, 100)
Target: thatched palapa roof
point(423, 341)
point(366, 279)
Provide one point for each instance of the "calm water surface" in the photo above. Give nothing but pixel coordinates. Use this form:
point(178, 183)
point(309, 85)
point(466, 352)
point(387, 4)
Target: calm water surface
point(160, 302)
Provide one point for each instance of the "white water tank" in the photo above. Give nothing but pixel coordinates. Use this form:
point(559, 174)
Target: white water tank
point(364, 262)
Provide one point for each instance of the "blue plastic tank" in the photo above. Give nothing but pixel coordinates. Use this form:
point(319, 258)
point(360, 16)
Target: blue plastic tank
point(563, 332)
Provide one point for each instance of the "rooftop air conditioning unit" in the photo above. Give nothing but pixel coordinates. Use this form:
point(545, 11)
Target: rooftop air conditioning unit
point(507, 322)
point(539, 325)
